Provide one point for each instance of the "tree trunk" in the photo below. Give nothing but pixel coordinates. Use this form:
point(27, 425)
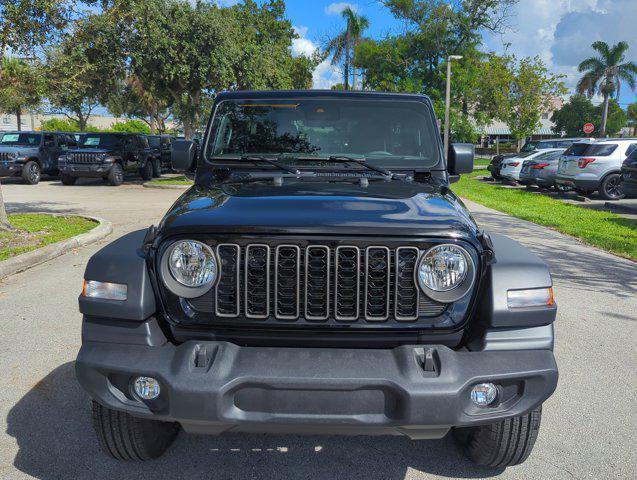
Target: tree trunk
point(347, 46)
point(81, 121)
point(4, 220)
point(18, 118)
point(604, 115)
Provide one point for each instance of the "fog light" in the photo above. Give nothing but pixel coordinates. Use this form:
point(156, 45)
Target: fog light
point(146, 388)
point(484, 394)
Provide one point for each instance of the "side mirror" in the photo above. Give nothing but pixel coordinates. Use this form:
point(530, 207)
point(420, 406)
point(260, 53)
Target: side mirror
point(182, 155)
point(460, 158)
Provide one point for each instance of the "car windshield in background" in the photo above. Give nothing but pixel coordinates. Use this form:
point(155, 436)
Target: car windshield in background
point(528, 147)
point(325, 127)
point(154, 142)
point(100, 140)
point(547, 156)
point(576, 149)
point(21, 139)
point(600, 150)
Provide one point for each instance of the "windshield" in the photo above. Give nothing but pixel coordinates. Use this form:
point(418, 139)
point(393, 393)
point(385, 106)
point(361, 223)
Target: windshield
point(548, 155)
point(154, 141)
point(100, 140)
point(602, 150)
point(325, 127)
point(576, 149)
point(21, 139)
point(528, 147)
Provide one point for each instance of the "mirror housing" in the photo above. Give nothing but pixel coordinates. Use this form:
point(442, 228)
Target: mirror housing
point(182, 155)
point(460, 158)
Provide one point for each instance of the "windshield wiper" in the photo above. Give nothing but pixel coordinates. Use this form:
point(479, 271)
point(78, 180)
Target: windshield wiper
point(347, 159)
point(260, 158)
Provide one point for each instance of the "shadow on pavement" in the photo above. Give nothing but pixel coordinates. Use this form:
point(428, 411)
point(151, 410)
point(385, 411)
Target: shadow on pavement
point(52, 427)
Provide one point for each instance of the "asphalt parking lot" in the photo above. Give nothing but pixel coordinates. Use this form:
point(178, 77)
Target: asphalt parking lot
point(588, 427)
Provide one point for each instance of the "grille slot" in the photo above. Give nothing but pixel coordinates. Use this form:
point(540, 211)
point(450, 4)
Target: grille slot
point(406, 292)
point(377, 282)
point(257, 281)
point(317, 282)
point(227, 296)
point(287, 282)
point(347, 291)
point(5, 157)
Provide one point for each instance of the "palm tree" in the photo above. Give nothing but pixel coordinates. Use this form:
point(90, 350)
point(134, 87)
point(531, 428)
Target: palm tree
point(342, 45)
point(603, 74)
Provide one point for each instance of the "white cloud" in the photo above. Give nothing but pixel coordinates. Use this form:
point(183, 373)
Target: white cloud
point(325, 75)
point(337, 7)
point(560, 32)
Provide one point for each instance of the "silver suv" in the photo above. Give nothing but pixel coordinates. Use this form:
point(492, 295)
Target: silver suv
point(598, 167)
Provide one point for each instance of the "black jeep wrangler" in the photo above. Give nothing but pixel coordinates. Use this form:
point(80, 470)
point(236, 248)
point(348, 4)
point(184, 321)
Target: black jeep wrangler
point(109, 156)
point(30, 154)
point(319, 277)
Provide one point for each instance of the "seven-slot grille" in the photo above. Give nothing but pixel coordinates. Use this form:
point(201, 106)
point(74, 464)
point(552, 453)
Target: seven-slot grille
point(318, 283)
point(85, 158)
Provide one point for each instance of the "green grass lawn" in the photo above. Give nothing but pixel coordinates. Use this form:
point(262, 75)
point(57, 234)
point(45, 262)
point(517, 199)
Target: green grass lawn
point(601, 229)
point(482, 161)
point(35, 230)
point(180, 180)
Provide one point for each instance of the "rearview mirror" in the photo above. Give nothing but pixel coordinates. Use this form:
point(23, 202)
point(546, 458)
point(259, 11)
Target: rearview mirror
point(182, 155)
point(460, 158)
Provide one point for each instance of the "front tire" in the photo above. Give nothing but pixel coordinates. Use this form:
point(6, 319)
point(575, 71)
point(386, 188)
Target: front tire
point(125, 437)
point(610, 188)
point(31, 173)
point(67, 179)
point(146, 172)
point(115, 175)
point(502, 444)
point(156, 168)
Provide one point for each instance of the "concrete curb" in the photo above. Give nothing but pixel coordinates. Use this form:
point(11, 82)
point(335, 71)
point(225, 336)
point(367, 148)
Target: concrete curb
point(621, 208)
point(24, 261)
point(166, 187)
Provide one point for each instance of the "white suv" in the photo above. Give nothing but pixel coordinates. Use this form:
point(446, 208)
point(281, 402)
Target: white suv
point(597, 168)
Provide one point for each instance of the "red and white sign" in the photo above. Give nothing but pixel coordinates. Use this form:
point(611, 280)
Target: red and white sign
point(588, 128)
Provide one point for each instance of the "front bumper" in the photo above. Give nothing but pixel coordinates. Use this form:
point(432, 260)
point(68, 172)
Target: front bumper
point(316, 390)
point(96, 170)
point(10, 169)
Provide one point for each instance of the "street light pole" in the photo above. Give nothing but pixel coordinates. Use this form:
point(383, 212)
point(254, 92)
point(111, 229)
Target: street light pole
point(448, 101)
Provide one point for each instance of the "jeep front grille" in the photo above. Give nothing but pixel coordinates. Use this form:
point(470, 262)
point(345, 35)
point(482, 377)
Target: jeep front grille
point(316, 284)
point(85, 158)
point(5, 157)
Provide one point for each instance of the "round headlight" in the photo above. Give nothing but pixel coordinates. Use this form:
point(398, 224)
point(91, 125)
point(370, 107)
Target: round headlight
point(189, 268)
point(445, 272)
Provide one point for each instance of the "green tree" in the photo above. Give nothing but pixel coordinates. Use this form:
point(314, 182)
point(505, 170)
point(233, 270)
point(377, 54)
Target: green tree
point(570, 119)
point(20, 86)
point(130, 126)
point(616, 117)
point(631, 112)
point(60, 125)
point(342, 47)
point(518, 92)
point(26, 24)
point(604, 73)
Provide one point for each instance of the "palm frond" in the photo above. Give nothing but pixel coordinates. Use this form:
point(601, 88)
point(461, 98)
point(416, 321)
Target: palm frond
point(628, 77)
point(591, 64)
point(617, 52)
point(587, 85)
point(602, 48)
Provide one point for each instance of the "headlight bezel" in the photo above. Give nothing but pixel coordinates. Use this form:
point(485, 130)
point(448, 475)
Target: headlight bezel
point(457, 292)
point(179, 288)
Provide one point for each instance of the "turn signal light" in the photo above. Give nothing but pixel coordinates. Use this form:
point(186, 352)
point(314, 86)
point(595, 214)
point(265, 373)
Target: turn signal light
point(582, 162)
point(533, 297)
point(104, 290)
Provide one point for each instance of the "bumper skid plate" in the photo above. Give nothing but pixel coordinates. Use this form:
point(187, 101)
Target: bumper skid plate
point(212, 387)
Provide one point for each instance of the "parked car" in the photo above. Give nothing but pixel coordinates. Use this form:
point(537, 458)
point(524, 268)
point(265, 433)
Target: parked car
point(598, 168)
point(108, 156)
point(512, 167)
point(160, 145)
point(30, 154)
point(541, 170)
point(496, 162)
point(301, 286)
point(629, 175)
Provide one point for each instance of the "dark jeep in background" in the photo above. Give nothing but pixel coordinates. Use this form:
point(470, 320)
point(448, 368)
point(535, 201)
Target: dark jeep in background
point(161, 147)
point(109, 156)
point(31, 154)
point(319, 277)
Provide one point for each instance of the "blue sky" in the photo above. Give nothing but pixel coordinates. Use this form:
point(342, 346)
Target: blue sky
point(559, 31)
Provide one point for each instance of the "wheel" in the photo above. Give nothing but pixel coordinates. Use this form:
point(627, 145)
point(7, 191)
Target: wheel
point(156, 168)
point(115, 175)
point(67, 179)
point(31, 173)
point(146, 172)
point(125, 437)
point(502, 444)
point(610, 188)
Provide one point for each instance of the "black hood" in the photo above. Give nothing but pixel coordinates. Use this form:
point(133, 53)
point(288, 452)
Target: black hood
point(319, 207)
point(20, 149)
